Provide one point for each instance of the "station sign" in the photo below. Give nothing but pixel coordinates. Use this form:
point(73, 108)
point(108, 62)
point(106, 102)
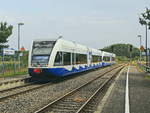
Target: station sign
point(8, 51)
point(20, 54)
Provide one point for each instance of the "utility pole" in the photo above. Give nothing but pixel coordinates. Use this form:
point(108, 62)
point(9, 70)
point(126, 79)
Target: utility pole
point(19, 24)
point(149, 57)
point(140, 46)
point(130, 50)
point(146, 47)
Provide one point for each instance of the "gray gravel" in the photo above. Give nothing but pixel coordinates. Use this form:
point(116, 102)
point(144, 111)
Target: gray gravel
point(30, 102)
point(68, 104)
point(17, 90)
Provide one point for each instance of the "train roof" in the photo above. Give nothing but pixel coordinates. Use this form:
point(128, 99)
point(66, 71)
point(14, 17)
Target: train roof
point(46, 39)
point(72, 44)
point(108, 54)
point(79, 47)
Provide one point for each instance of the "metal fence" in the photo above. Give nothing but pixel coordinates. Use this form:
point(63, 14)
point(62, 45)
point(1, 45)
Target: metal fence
point(144, 67)
point(10, 65)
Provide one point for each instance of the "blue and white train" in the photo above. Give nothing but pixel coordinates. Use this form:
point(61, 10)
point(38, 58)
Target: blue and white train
point(59, 57)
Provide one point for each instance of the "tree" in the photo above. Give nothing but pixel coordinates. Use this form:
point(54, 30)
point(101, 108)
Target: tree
point(5, 32)
point(122, 50)
point(145, 18)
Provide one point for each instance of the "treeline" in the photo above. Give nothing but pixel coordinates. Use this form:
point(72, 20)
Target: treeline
point(123, 50)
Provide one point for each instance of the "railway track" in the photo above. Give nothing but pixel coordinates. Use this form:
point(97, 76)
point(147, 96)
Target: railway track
point(9, 93)
point(76, 100)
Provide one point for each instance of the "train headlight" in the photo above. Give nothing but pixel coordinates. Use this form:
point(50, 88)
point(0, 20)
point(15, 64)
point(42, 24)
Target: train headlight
point(37, 70)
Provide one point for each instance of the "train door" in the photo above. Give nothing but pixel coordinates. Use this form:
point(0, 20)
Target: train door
point(111, 59)
point(89, 57)
point(73, 59)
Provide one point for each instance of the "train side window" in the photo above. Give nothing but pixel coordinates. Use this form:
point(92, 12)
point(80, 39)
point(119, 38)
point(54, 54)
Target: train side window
point(58, 59)
point(95, 58)
point(107, 58)
point(78, 58)
point(100, 58)
point(81, 58)
point(66, 58)
point(104, 58)
point(113, 59)
point(73, 58)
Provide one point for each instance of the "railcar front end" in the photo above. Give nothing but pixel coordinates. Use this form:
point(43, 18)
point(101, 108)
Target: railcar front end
point(39, 57)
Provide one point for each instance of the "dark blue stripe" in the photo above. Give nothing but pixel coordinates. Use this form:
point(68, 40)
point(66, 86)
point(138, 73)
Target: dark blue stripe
point(64, 72)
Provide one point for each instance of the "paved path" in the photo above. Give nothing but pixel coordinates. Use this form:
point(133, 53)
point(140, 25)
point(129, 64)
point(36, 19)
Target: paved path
point(138, 100)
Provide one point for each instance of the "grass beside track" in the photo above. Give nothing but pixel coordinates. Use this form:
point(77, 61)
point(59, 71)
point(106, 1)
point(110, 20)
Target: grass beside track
point(147, 77)
point(12, 74)
point(10, 70)
point(140, 69)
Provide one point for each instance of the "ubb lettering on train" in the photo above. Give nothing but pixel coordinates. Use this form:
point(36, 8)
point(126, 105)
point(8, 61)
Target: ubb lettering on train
point(59, 57)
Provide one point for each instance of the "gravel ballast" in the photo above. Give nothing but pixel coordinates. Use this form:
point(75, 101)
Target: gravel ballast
point(31, 101)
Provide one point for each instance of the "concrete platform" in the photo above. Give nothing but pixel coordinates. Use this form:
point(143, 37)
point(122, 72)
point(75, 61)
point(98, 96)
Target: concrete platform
point(6, 79)
point(138, 100)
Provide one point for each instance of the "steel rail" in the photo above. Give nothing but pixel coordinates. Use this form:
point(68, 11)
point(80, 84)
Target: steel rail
point(97, 91)
point(9, 89)
point(43, 109)
point(25, 91)
point(41, 86)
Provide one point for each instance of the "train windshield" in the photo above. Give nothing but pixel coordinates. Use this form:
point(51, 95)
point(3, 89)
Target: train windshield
point(42, 47)
point(41, 51)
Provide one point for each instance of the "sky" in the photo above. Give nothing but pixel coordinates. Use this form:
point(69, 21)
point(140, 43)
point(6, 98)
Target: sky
point(94, 23)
